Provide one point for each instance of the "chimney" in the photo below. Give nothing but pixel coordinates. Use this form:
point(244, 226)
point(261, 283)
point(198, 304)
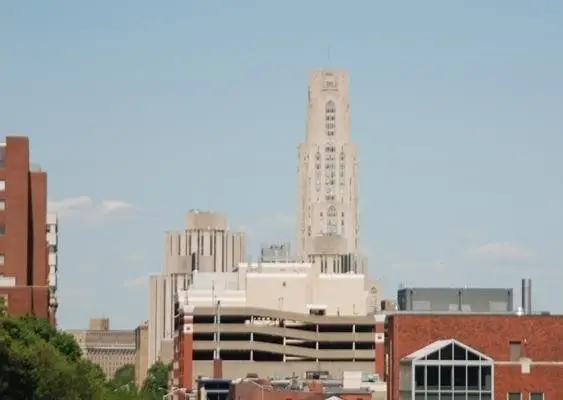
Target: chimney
point(527, 296)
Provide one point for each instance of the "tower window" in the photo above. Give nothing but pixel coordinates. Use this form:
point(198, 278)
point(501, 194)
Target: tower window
point(330, 110)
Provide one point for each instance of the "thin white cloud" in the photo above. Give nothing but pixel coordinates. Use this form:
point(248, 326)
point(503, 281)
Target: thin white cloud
point(86, 208)
point(71, 206)
point(116, 206)
point(499, 250)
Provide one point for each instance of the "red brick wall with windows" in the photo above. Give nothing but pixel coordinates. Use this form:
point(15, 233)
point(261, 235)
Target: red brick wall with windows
point(541, 339)
point(23, 243)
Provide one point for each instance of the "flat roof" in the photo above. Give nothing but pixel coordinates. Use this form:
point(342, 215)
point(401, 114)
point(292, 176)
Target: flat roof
point(470, 313)
point(286, 315)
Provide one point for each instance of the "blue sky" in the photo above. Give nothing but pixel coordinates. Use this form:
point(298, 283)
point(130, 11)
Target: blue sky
point(141, 111)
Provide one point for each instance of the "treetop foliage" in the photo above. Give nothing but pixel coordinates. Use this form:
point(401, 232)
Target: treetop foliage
point(37, 362)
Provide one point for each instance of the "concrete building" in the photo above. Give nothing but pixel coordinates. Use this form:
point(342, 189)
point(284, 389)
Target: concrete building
point(456, 299)
point(276, 253)
point(330, 252)
point(475, 356)
point(278, 318)
point(110, 349)
point(141, 353)
point(327, 167)
point(28, 239)
point(293, 287)
point(206, 244)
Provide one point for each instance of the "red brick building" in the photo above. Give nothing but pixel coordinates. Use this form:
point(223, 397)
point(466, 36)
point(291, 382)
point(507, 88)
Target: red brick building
point(24, 249)
point(471, 356)
point(260, 389)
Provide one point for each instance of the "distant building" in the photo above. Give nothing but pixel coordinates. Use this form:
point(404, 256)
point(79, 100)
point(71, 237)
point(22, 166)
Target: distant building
point(475, 356)
point(455, 300)
point(141, 353)
point(110, 349)
point(276, 253)
point(28, 245)
point(206, 244)
point(277, 318)
point(328, 166)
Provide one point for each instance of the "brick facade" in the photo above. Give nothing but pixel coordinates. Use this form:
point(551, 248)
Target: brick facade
point(379, 338)
point(541, 339)
point(23, 242)
point(182, 372)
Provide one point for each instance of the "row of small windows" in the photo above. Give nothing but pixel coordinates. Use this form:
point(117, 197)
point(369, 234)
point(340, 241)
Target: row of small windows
point(330, 117)
point(330, 149)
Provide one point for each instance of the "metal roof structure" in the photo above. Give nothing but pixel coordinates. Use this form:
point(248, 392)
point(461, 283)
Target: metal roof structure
point(438, 345)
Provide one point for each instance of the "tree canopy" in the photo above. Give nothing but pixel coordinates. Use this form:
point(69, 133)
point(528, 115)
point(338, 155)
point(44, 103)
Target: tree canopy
point(37, 362)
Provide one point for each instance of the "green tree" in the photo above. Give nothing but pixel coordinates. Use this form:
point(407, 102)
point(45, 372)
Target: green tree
point(39, 363)
point(156, 382)
point(124, 378)
point(62, 341)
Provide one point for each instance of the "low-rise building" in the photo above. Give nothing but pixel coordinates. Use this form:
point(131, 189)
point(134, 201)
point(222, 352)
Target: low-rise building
point(275, 319)
point(474, 356)
point(111, 349)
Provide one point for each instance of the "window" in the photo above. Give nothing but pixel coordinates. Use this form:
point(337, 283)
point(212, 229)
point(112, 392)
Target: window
point(2, 185)
point(536, 396)
point(332, 220)
point(2, 205)
point(453, 372)
point(2, 229)
point(515, 351)
point(330, 110)
point(2, 258)
point(514, 396)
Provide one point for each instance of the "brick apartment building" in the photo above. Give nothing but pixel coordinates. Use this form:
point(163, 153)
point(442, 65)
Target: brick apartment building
point(475, 356)
point(27, 238)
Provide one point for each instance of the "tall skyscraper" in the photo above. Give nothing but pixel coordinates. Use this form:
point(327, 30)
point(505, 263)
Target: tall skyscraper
point(327, 168)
